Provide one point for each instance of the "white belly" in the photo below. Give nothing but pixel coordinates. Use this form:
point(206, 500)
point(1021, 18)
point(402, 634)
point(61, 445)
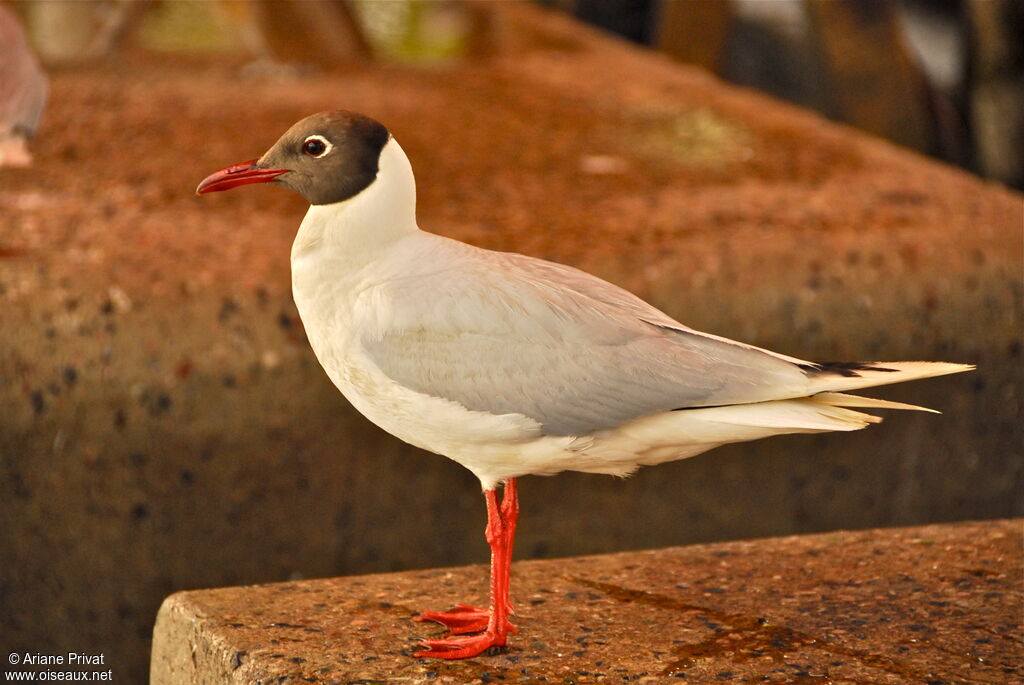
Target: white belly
point(494, 447)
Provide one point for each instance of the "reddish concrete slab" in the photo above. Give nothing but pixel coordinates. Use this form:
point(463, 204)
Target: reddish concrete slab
point(934, 604)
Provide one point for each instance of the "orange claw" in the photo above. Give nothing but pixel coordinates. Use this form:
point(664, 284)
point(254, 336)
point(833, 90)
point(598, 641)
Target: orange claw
point(462, 647)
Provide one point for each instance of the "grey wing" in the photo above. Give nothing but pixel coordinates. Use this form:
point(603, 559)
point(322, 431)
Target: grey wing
point(574, 353)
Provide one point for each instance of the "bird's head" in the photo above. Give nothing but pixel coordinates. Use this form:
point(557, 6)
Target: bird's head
point(327, 158)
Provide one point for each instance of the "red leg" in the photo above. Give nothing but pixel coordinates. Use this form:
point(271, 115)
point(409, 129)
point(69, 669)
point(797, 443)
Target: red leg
point(493, 625)
point(510, 515)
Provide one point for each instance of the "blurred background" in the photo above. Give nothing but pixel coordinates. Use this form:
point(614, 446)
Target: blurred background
point(164, 426)
point(944, 77)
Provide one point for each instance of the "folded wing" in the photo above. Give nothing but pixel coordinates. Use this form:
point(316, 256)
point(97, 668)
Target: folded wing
point(503, 333)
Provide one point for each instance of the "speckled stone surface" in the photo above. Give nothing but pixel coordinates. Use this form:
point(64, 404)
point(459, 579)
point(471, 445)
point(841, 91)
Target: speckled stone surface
point(935, 605)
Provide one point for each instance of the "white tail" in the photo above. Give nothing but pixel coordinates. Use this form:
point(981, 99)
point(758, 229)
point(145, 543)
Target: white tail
point(680, 434)
point(838, 399)
point(802, 415)
point(825, 407)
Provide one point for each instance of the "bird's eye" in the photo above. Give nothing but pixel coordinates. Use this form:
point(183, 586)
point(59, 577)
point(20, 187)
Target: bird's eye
point(316, 146)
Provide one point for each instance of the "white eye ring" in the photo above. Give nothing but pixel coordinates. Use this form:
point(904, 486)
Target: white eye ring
point(326, 146)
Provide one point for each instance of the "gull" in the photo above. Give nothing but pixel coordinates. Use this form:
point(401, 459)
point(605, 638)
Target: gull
point(512, 365)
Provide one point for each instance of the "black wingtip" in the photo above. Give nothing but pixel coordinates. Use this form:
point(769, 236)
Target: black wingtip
point(847, 369)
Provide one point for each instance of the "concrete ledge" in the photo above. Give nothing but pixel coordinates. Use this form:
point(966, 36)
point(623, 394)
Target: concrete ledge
point(934, 604)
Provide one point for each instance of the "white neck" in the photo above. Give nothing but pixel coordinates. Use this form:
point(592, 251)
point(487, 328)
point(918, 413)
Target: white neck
point(359, 226)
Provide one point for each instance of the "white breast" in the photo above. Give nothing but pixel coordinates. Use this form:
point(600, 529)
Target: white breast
point(342, 255)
